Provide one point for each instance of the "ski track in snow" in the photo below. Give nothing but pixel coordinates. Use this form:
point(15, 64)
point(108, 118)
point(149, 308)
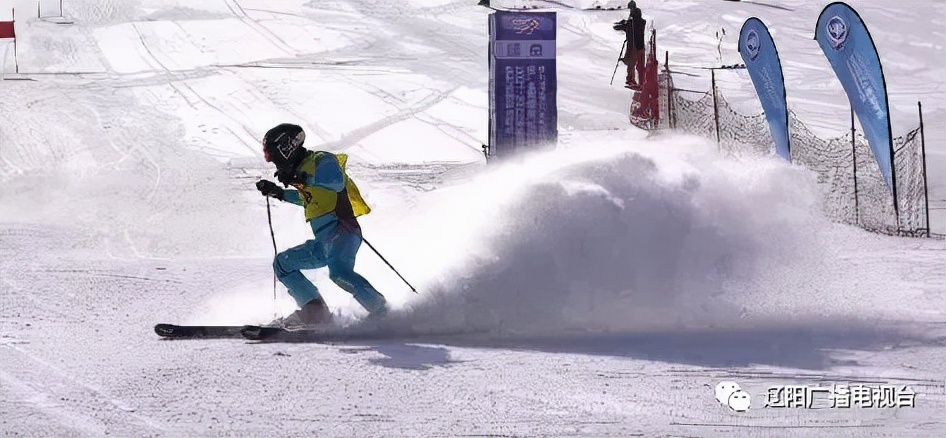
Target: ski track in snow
point(117, 214)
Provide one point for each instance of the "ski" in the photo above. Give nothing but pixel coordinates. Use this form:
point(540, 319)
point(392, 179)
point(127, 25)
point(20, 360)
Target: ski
point(357, 332)
point(173, 331)
point(318, 334)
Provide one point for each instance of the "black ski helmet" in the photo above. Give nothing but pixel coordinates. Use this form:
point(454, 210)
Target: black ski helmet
point(282, 145)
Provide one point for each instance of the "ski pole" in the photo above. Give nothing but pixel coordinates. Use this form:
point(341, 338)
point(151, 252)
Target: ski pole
point(389, 264)
point(616, 64)
point(272, 234)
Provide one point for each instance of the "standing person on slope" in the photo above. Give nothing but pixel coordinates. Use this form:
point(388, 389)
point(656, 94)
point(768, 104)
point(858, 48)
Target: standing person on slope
point(631, 54)
point(633, 28)
point(638, 25)
point(331, 202)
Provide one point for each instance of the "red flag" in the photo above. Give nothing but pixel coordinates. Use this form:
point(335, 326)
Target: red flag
point(6, 29)
point(645, 104)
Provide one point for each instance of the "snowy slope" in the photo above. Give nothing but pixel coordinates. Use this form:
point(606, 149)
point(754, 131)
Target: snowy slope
point(601, 289)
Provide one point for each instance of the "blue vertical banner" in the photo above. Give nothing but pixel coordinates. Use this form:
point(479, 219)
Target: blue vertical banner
point(523, 111)
point(850, 50)
point(761, 58)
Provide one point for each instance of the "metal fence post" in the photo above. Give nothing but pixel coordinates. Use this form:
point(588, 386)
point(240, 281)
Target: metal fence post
point(715, 105)
point(926, 195)
point(857, 210)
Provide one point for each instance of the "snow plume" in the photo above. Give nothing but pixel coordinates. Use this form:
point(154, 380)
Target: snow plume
point(604, 237)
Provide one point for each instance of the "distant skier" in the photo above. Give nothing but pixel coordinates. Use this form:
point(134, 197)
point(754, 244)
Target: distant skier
point(635, 47)
point(331, 202)
point(633, 28)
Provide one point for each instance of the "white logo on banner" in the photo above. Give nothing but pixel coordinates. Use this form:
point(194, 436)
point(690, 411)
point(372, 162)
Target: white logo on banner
point(837, 32)
point(753, 45)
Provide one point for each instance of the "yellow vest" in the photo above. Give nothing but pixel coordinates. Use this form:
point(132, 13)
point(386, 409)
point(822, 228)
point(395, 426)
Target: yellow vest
point(318, 201)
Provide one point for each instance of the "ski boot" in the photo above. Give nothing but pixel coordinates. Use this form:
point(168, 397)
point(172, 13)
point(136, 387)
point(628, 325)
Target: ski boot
point(313, 313)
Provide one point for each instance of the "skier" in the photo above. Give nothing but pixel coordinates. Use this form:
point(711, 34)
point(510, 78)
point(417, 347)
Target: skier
point(331, 202)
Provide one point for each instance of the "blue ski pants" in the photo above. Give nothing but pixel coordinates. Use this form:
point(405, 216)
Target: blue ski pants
point(336, 250)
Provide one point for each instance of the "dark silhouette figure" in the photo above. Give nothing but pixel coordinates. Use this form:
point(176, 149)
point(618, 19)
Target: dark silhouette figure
point(634, 28)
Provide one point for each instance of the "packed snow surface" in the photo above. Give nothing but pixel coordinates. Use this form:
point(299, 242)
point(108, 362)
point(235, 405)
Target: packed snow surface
point(603, 288)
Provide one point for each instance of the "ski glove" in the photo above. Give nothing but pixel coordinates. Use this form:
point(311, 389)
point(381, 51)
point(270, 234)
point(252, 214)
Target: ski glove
point(269, 188)
point(289, 177)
